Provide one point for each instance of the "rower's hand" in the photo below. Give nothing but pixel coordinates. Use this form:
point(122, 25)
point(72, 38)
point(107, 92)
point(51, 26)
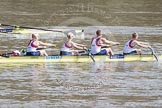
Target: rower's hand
point(149, 46)
point(84, 48)
point(87, 50)
point(53, 45)
point(117, 43)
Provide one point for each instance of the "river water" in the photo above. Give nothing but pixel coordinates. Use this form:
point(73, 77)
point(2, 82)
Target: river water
point(83, 85)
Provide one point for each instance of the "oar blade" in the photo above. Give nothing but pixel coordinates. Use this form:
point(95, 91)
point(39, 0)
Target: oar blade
point(89, 53)
point(153, 53)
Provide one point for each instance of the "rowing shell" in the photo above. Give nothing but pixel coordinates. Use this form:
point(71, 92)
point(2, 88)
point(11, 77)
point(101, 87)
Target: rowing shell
point(86, 58)
point(26, 33)
point(16, 31)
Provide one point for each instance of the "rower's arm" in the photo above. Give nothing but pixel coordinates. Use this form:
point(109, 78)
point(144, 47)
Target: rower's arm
point(142, 45)
point(46, 44)
point(145, 43)
point(109, 42)
point(78, 47)
point(81, 45)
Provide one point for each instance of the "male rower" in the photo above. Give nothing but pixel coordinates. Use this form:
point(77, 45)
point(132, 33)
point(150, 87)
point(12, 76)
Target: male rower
point(35, 44)
point(129, 47)
point(69, 46)
point(98, 42)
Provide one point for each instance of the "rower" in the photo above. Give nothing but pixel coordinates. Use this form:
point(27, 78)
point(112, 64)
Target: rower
point(98, 42)
point(129, 47)
point(69, 46)
point(34, 44)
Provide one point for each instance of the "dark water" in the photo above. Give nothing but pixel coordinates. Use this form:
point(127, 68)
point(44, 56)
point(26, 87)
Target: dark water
point(83, 85)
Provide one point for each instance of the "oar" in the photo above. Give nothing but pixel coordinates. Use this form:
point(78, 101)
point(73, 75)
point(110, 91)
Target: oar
point(36, 28)
point(48, 49)
point(153, 53)
point(89, 52)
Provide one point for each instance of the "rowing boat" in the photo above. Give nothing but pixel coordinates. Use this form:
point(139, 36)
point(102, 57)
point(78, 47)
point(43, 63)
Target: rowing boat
point(19, 31)
point(85, 58)
point(26, 33)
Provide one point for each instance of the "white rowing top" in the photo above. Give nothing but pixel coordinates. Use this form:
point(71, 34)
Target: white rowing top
point(128, 47)
point(31, 47)
point(66, 47)
point(94, 47)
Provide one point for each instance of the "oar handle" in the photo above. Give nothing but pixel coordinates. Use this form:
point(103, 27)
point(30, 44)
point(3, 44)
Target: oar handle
point(88, 50)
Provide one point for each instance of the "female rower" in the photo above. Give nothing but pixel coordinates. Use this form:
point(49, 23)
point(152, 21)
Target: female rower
point(34, 44)
point(69, 46)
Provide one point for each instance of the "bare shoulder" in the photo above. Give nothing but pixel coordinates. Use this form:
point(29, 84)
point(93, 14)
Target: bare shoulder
point(71, 42)
point(103, 39)
point(136, 42)
point(39, 42)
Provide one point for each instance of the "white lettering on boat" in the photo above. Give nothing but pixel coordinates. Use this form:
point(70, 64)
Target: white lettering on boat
point(52, 57)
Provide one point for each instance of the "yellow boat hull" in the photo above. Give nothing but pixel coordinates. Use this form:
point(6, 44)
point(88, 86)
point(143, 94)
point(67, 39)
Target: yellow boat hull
point(61, 59)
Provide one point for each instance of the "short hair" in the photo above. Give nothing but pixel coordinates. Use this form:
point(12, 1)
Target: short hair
point(35, 35)
point(134, 35)
point(70, 34)
point(98, 32)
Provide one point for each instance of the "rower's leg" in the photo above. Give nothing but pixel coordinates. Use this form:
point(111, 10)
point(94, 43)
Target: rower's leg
point(75, 53)
point(43, 53)
point(109, 51)
point(138, 51)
